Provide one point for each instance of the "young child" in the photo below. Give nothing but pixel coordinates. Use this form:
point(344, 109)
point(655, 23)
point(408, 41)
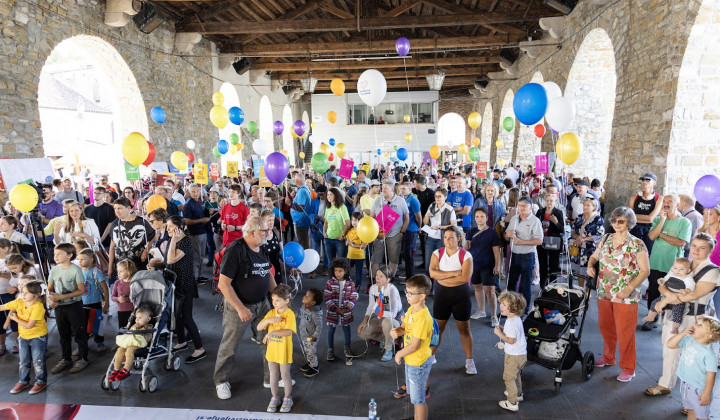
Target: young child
point(340, 296)
point(128, 343)
point(29, 314)
point(272, 247)
point(254, 209)
point(310, 328)
point(66, 285)
point(416, 330)
point(356, 248)
point(512, 306)
point(79, 245)
point(96, 294)
point(121, 291)
point(678, 280)
point(385, 304)
point(698, 365)
point(5, 295)
point(281, 325)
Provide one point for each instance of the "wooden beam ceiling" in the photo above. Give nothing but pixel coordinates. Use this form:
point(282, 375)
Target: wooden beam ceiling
point(402, 84)
point(369, 64)
point(475, 71)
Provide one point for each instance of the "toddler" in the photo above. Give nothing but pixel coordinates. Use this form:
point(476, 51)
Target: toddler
point(121, 291)
point(680, 281)
point(310, 328)
point(6, 296)
point(512, 305)
point(385, 304)
point(340, 296)
point(128, 343)
point(96, 293)
point(356, 248)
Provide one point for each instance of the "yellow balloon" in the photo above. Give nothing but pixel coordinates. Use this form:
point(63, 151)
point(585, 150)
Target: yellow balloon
point(434, 152)
point(219, 116)
point(284, 152)
point(325, 149)
point(332, 117)
point(155, 201)
point(408, 137)
point(337, 86)
point(569, 148)
point(366, 167)
point(240, 146)
point(501, 162)
point(302, 155)
point(367, 229)
point(292, 133)
point(474, 120)
point(386, 154)
point(476, 141)
point(341, 150)
point(179, 160)
point(406, 118)
point(135, 149)
point(24, 197)
point(499, 143)
point(463, 149)
point(232, 149)
point(313, 125)
point(218, 98)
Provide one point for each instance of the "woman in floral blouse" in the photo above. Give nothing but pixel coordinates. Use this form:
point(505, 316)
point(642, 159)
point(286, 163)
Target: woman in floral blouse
point(587, 231)
point(624, 264)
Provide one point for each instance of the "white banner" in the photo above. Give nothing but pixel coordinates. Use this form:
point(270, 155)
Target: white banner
point(94, 412)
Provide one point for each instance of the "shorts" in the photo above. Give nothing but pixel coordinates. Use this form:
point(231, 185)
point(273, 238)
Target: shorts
point(483, 276)
point(455, 301)
point(691, 400)
point(415, 379)
point(390, 245)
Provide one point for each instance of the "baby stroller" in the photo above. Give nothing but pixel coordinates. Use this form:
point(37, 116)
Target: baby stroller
point(554, 327)
point(157, 290)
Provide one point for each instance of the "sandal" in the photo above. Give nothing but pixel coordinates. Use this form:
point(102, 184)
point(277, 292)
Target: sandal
point(685, 411)
point(656, 390)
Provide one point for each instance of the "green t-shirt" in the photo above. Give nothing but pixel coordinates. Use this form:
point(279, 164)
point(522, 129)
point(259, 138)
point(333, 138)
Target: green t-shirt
point(66, 280)
point(336, 218)
point(664, 254)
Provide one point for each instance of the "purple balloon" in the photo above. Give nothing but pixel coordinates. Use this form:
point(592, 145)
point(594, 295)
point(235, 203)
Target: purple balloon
point(402, 46)
point(299, 128)
point(707, 191)
point(278, 127)
point(276, 167)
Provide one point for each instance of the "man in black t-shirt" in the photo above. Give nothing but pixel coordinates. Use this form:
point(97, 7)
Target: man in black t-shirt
point(426, 197)
point(131, 237)
point(102, 213)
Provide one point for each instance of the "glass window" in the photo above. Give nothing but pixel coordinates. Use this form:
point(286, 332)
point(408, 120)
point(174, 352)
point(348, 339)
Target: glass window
point(391, 113)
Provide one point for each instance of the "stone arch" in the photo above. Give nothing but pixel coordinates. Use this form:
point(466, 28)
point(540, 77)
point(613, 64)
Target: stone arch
point(287, 139)
point(88, 102)
point(486, 128)
point(265, 123)
point(528, 145)
point(591, 87)
point(693, 150)
point(451, 130)
point(231, 99)
point(508, 138)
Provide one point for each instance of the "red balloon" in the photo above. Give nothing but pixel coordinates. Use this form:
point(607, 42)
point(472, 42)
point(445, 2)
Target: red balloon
point(539, 130)
point(191, 157)
point(331, 157)
point(151, 155)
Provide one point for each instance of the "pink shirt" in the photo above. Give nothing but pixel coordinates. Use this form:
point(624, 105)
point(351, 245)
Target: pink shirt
point(122, 288)
point(715, 255)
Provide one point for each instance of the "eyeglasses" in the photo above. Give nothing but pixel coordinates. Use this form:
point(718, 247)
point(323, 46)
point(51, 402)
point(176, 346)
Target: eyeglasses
point(263, 231)
point(412, 294)
point(645, 179)
point(618, 221)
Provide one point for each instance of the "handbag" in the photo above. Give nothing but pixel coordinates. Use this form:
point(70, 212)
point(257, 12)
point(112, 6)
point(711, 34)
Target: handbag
point(103, 260)
point(552, 243)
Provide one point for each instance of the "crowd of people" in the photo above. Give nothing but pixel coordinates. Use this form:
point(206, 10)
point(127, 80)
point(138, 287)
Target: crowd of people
point(471, 235)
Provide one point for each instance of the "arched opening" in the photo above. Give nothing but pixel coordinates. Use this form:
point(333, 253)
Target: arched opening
point(694, 148)
point(231, 99)
point(508, 138)
point(288, 143)
point(591, 87)
point(528, 144)
point(451, 130)
point(486, 133)
point(265, 123)
point(88, 101)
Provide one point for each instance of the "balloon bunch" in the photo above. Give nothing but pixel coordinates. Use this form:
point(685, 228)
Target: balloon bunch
point(136, 150)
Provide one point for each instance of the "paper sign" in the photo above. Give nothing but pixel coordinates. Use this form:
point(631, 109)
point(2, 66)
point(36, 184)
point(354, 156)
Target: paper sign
point(264, 181)
point(201, 173)
point(214, 171)
point(257, 165)
point(232, 169)
point(541, 164)
point(346, 168)
point(482, 170)
point(132, 173)
point(387, 218)
point(91, 192)
point(160, 180)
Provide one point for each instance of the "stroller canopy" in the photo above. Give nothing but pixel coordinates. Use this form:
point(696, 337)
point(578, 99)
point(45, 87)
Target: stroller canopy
point(147, 287)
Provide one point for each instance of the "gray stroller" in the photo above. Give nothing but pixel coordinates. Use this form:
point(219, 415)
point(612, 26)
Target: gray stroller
point(157, 290)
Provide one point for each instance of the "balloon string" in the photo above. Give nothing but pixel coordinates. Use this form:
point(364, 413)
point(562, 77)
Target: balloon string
point(167, 136)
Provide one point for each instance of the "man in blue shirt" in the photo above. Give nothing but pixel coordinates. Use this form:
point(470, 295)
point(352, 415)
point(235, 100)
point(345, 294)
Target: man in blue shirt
point(461, 201)
point(299, 210)
point(194, 214)
point(411, 233)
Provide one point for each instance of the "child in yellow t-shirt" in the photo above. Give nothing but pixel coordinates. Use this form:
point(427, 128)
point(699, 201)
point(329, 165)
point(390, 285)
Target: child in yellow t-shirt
point(356, 249)
point(417, 330)
point(281, 325)
point(29, 313)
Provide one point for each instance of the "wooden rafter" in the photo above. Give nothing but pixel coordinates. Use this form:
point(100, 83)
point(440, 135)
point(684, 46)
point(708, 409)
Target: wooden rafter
point(412, 73)
point(367, 64)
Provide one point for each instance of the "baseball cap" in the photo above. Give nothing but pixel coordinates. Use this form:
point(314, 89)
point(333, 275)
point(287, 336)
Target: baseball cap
point(583, 182)
point(374, 182)
point(526, 199)
point(649, 175)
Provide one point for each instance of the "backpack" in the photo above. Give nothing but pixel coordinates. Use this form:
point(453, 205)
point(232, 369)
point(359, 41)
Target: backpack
point(435, 338)
point(441, 252)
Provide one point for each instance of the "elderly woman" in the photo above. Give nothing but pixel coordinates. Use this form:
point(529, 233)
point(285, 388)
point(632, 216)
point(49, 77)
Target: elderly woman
point(707, 279)
point(493, 207)
point(624, 265)
point(440, 216)
point(553, 226)
point(587, 231)
point(76, 226)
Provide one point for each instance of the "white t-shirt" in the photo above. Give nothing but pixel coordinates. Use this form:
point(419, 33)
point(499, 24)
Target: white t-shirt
point(512, 174)
point(514, 329)
point(451, 262)
point(392, 304)
point(178, 197)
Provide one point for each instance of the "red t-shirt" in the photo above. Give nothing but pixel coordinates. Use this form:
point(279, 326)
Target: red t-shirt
point(235, 216)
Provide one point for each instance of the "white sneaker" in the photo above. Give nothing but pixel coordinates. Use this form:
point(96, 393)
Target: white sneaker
point(223, 391)
point(470, 368)
point(494, 322)
point(281, 384)
point(519, 398)
point(509, 406)
point(434, 360)
point(478, 315)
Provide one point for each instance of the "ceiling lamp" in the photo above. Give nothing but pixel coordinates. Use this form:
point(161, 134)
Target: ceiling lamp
point(308, 84)
point(435, 81)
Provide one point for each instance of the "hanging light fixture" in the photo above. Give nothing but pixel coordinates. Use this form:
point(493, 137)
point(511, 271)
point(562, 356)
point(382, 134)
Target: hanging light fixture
point(435, 81)
point(309, 83)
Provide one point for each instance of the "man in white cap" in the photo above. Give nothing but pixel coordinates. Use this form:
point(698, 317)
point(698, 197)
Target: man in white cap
point(67, 192)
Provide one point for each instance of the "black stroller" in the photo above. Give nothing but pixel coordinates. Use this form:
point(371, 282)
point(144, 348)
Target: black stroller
point(554, 327)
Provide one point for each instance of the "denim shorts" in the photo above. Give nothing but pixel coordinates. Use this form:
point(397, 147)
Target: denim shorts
point(691, 400)
point(415, 379)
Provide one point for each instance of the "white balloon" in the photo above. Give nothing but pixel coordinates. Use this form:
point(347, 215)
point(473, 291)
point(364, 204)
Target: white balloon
point(560, 114)
point(190, 144)
point(260, 147)
point(552, 90)
point(311, 261)
point(372, 87)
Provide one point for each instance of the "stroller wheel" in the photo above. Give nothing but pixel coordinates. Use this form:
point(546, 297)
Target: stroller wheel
point(115, 385)
point(152, 384)
point(588, 365)
point(104, 383)
point(176, 363)
point(141, 386)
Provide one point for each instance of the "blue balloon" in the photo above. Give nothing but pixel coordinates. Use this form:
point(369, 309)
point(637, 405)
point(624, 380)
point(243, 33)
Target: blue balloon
point(293, 254)
point(237, 116)
point(332, 142)
point(223, 146)
point(379, 152)
point(402, 153)
point(530, 103)
point(48, 179)
point(158, 115)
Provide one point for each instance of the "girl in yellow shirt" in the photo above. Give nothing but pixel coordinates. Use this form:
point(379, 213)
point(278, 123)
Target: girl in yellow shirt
point(281, 325)
point(356, 249)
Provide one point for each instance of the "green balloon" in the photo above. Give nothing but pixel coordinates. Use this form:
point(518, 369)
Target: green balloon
point(216, 152)
point(395, 147)
point(509, 124)
point(234, 138)
point(320, 163)
point(252, 127)
point(474, 154)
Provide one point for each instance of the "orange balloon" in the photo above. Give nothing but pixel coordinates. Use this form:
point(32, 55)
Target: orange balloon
point(156, 202)
point(434, 152)
point(337, 86)
point(332, 117)
point(476, 141)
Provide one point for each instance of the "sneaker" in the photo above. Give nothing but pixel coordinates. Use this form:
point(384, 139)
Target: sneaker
point(101, 348)
point(519, 398)
point(478, 315)
point(305, 367)
point(427, 393)
point(256, 341)
point(113, 375)
point(311, 371)
point(601, 362)
point(19, 387)
point(509, 406)
point(193, 359)
point(15, 350)
point(330, 355)
point(434, 360)
point(494, 322)
point(37, 388)
point(387, 356)
point(281, 384)
point(348, 352)
point(79, 365)
point(223, 391)
point(273, 405)
point(470, 368)
point(625, 377)
point(122, 374)
point(649, 326)
point(401, 393)
point(286, 405)
point(61, 365)
point(76, 353)
point(178, 349)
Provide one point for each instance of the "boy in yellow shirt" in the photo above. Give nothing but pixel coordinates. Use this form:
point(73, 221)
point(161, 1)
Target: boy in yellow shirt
point(417, 330)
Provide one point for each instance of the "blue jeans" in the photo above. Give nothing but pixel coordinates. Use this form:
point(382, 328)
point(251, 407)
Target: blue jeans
point(408, 249)
point(521, 268)
point(431, 244)
point(331, 335)
point(32, 353)
point(318, 246)
point(415, 379)
point(358, 273)
point(334, 248)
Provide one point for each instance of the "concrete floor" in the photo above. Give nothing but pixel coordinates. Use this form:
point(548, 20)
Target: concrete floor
point(342, 390)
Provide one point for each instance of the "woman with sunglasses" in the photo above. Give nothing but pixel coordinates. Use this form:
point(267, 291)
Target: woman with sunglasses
point(624, 265)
